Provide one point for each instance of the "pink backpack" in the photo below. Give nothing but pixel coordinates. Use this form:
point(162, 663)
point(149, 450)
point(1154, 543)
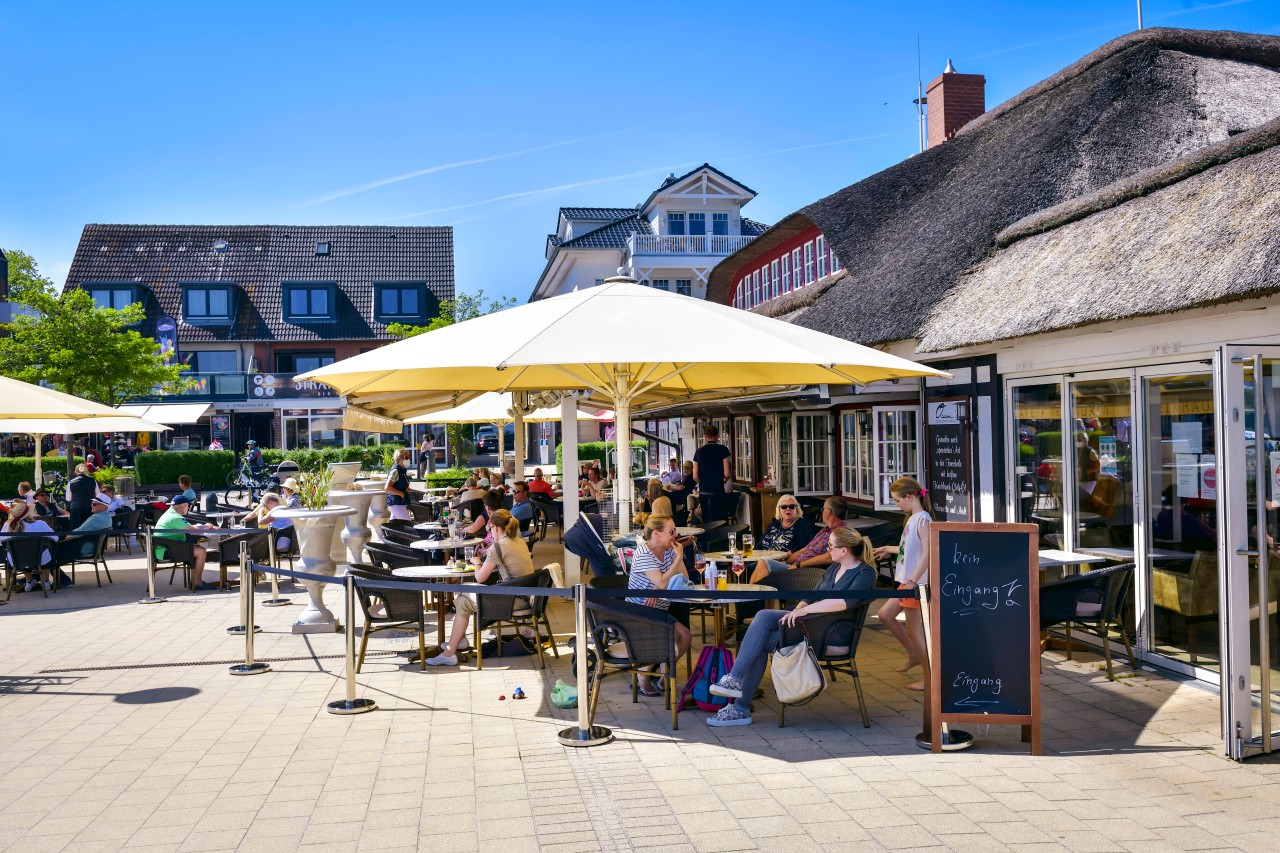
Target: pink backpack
point(713, 663)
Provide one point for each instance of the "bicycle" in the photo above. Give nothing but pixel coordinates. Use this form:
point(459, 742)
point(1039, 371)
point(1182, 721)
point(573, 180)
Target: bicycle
point(244, 487)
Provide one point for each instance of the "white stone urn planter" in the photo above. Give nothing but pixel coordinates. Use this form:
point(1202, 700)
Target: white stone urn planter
point(348, 544)
point(343, 475)
point(378, 512)
point(316, 530)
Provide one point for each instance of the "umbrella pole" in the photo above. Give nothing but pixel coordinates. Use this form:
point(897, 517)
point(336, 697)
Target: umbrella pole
point(521, 400)
point(39, 437)
point(623, 487)
point(502, 447)
point(569, 482)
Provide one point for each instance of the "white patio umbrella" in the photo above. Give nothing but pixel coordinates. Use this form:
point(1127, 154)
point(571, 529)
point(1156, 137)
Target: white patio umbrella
point(629, 345)
point(500, 409)
point(39, 411)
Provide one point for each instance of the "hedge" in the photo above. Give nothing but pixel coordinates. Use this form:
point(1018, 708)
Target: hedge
point(206, 467)
point(454, 477)
point(210, 467)
point(17, 469)
point(589, 450)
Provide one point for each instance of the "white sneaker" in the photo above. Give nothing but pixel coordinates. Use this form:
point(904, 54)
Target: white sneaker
point(443, 659)
point(465, 644)
point(29, 586)
point(48, 587)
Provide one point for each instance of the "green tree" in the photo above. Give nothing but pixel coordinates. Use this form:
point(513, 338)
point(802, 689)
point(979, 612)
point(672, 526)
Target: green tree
point(462, 307)
point(68, 341)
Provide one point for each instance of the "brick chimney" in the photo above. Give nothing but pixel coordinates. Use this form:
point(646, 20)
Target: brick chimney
point(954, 100)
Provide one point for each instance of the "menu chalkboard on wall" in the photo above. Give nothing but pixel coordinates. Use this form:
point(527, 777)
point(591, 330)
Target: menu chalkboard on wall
point(984, 612)
point(949, 472)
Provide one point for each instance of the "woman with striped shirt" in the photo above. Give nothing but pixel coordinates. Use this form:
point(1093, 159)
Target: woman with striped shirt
point(658, 560)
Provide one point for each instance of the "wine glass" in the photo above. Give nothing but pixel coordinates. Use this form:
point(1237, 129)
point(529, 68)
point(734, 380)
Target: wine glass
point(739, 566)
point(700, 563)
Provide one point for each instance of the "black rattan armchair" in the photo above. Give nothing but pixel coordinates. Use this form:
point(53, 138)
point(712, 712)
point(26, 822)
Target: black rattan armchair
point(834, 639)
point(517, 611)
point(630, 636)
point(397, 609)
point(1094, 599)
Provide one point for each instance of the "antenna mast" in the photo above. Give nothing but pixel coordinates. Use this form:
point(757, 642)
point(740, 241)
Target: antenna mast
point(921, 100)
point(1139, 14)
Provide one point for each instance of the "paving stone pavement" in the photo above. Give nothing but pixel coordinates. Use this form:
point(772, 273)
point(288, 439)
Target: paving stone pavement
point(126, 730)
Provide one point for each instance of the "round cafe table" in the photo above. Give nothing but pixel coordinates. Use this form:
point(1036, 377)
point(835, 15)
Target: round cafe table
point(757, 554)
point(689, 531)
point(434, 573)
point(448, 544)
point(719, 606)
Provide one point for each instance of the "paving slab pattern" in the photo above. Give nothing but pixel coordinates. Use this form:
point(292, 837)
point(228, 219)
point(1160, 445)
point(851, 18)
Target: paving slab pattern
point(126, 731)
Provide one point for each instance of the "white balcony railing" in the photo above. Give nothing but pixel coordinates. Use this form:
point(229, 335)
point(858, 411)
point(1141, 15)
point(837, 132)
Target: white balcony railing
point(686, 244)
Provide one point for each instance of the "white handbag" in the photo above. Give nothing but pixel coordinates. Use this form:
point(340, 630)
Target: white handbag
point(797, 676)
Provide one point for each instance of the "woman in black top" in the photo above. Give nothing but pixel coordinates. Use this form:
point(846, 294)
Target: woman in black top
point(852, 569)
point(80, 492)
point(398, 488)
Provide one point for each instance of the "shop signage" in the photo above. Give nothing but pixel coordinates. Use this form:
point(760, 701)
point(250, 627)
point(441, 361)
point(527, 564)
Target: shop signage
point(984, 618)
point(949, 474)
point(221, 427)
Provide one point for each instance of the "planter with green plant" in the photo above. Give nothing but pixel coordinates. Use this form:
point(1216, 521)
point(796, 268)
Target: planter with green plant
point(315, 524)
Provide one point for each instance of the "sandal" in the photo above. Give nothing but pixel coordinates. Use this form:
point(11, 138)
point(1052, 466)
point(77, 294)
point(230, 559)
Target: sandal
point(655, 688)
point(206, 587)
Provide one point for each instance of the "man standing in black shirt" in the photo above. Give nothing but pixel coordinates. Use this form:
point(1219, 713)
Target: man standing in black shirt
point(712, 471)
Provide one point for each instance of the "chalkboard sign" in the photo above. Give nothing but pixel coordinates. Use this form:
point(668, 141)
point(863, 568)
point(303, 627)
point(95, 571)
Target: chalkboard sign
point(949, 474)
point(984, 620)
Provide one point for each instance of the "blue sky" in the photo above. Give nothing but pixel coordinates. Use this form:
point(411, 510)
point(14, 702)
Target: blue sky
point(405, 113)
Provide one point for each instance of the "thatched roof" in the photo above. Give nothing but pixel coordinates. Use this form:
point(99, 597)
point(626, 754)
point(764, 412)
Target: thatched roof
point(1006, 204)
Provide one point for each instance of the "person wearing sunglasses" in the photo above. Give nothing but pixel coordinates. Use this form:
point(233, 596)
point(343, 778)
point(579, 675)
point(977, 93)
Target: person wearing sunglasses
point(789, 530)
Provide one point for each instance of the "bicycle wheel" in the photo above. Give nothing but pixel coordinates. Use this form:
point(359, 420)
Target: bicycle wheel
point(233, 479)
point(237, 495)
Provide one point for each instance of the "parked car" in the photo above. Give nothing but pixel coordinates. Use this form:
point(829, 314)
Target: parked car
point(487, 439)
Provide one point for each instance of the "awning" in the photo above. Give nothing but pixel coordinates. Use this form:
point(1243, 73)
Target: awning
point(169, 414)
point(362, 420)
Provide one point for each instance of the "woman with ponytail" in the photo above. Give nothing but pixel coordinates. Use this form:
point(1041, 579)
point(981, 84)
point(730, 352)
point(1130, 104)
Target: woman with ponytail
point(911, 572)
point(510, 557)
point(852, 570)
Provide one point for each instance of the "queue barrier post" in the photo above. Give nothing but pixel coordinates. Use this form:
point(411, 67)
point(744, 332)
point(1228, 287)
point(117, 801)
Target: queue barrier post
point(151, 598)
point(246, 595)
point(351, 705)
point(249, 667)
point(584, 734)
point(275, 600)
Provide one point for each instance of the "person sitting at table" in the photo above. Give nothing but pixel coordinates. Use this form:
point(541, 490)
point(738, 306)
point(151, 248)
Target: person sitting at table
point(470, 492)
point(263, 515)
point(654, 502)
point(44, 509)
point(521, 506)
point(788, 529)
point(593, 488)
point(659, 558)
point(681, 488)
point(673, 473)
point(289, 497)
point(852, 570)
point(24, 520)
point(816, 553)
point(510, 557)
point(26, 494)
point(80, 542)
point(184, 483)
point(480, 524)
point(539, 485)
point(115, 504)
point(495, 482)
point(169, 526)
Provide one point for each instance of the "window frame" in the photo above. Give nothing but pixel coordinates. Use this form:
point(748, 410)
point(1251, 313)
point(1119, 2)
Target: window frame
point(695, 216)
point(820, 249)
point(660, 284)
point(287, 288)
point(857, 454)
point(206, 287)
point(112, 287)
point(797, 265)
point(381, 287)
point(684, 287)
point(777, 284)
point(294, 354)
point(836, 266)
point(743, 458)
point(812, 474)
point(808, 263)
point(884, 477)
point(755, 288)
point(766, 284)
point(786, 272)
point(674, 216)
point(716, 219)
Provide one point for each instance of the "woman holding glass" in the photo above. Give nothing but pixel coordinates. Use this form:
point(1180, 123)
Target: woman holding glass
point(852, 570)
point(659, 559)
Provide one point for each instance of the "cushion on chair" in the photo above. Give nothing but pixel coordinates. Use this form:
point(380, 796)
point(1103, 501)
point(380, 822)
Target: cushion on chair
point(836, 651)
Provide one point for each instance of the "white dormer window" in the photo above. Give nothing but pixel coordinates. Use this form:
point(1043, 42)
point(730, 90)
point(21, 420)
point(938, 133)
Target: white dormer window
point(720, 224)
point(766, 284)
point(675, 223)
point(797, 271)
point(822, 256)
point(808, 262)
point(786, 273)
point(777, 283)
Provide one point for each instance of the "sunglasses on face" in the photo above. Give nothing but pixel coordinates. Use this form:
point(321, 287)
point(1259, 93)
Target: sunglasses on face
point(787, 506)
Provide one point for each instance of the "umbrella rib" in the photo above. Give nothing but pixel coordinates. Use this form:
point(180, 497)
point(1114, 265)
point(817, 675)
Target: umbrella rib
point(677, 370)
point(505, 388)
point(844, 375)
point(591, 383)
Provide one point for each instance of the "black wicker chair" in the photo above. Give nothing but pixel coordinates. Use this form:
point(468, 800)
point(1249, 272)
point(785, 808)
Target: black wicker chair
point(131, 520)
point(96, 558)
point(517, 611)
point(25, 555)
point(390, 555)
point(550, 511)
point(178, 554)
point(826, 633)
point(628, 637)
point(1094, 599)
point(229, 551)
point(708, 533)
point(281, 535)
point(401, 608)
point(420, 512)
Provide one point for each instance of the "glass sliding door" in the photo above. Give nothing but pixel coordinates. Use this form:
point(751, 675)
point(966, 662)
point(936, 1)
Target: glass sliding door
point(1180, 536)
point(1250, 486)
point(1035, 406)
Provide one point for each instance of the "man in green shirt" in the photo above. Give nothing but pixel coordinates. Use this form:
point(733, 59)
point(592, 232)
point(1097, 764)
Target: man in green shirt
point(168, 526)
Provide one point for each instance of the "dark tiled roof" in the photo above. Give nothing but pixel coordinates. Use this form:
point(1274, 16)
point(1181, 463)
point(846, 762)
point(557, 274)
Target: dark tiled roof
point(603, 214)
point(751, 228)
point(611, 236)
point(669, 181)
point(257, 259)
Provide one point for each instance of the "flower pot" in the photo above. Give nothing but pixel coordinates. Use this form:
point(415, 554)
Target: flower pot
point(348, 545)
point(378, 512)
point(316, 529)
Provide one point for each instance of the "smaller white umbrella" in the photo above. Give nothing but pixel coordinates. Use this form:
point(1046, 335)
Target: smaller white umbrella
point(38, 428)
